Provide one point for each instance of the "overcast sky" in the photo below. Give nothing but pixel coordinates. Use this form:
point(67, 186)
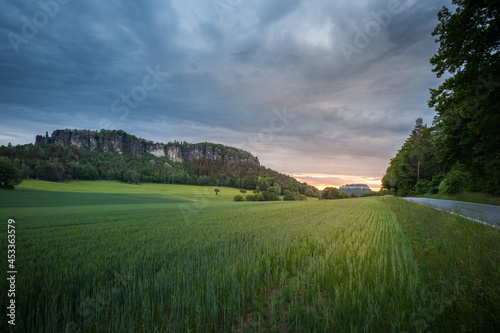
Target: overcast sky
point(326, 91)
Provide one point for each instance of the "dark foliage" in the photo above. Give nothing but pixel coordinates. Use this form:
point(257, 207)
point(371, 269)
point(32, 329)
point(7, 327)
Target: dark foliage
point(60, 163)
point(461, 151)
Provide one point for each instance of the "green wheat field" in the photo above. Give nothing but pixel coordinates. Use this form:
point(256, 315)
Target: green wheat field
point(112, 257)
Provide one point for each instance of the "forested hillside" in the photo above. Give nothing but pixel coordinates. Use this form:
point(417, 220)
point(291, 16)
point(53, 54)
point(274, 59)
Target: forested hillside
point(57, 162)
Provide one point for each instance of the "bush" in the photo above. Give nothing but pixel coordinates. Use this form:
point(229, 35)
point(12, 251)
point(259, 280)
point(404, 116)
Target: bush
point(132, 176)
point(330, 193)
point(239, 198)
point(243, 191)
point(435, 182)
point(301, 197)
point(443, 187)
point(289, 196)
point(354, 195)
point(343, 195)
point(422, 187)
point(255, 197)
point(406, 190)
point(270, 196)
point(456, 181)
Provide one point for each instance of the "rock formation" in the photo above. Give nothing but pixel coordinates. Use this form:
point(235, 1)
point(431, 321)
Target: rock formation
point(119, 142)
point(359, 189)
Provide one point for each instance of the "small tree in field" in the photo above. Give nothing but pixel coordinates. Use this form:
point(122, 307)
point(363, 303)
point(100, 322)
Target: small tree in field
point(216, 191)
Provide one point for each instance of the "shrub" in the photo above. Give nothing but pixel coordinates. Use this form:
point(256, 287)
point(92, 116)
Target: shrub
point(301, 197)
point(343, 195)
point(456, 181)
point(453, 183)
point(435, 182)
point(239, 198)
point(354, 195)
point(255, 197)
point(243, 191)
point(330, 193)
point(270, 196)
point(422, 187)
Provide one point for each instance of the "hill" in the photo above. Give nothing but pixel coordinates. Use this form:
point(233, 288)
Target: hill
point(358, 189)
point(120, 142)
point(117, 155)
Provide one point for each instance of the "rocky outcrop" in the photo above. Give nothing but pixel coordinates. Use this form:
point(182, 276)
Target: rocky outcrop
point(358, 189)
point(119, 142)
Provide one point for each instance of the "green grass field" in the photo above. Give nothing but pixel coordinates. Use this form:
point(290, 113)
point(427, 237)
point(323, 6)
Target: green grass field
point(173, 258)
point(189, 192)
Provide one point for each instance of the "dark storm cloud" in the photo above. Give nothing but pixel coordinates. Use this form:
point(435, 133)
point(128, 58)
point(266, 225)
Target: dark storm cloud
point(97, 64)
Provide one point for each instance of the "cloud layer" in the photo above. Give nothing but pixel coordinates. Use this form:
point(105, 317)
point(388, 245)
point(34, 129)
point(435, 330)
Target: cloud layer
point(323, 90)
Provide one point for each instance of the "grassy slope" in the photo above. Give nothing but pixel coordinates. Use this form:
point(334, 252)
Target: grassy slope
point(189, 192)
point(141, 261)
point(459, 261)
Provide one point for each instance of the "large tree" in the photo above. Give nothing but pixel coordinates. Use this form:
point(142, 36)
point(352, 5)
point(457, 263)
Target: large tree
point(9, 175)
point(413, 162)
point(467, 102)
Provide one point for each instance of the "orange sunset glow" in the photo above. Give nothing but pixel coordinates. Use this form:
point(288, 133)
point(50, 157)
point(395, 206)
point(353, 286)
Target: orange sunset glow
point(321, 181)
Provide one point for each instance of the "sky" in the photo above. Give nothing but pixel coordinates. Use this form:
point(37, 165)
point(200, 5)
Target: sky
point(324, 91)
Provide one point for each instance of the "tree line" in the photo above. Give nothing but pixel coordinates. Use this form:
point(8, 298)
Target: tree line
point(60, 163)
point(461, 150)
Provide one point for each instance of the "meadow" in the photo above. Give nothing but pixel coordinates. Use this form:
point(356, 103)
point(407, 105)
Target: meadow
point(189, 192)
point(178, 258)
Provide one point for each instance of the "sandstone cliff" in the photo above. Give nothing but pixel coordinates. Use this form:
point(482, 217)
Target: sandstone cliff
point(120, 142)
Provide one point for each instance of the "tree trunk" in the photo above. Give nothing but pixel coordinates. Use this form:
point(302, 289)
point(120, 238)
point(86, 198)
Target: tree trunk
point(418, 171)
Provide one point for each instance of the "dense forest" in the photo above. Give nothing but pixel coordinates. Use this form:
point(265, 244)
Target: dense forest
point(461, 150)
point(61, 163)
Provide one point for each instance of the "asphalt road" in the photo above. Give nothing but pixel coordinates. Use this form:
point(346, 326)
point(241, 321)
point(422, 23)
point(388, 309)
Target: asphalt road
point(479, 212)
